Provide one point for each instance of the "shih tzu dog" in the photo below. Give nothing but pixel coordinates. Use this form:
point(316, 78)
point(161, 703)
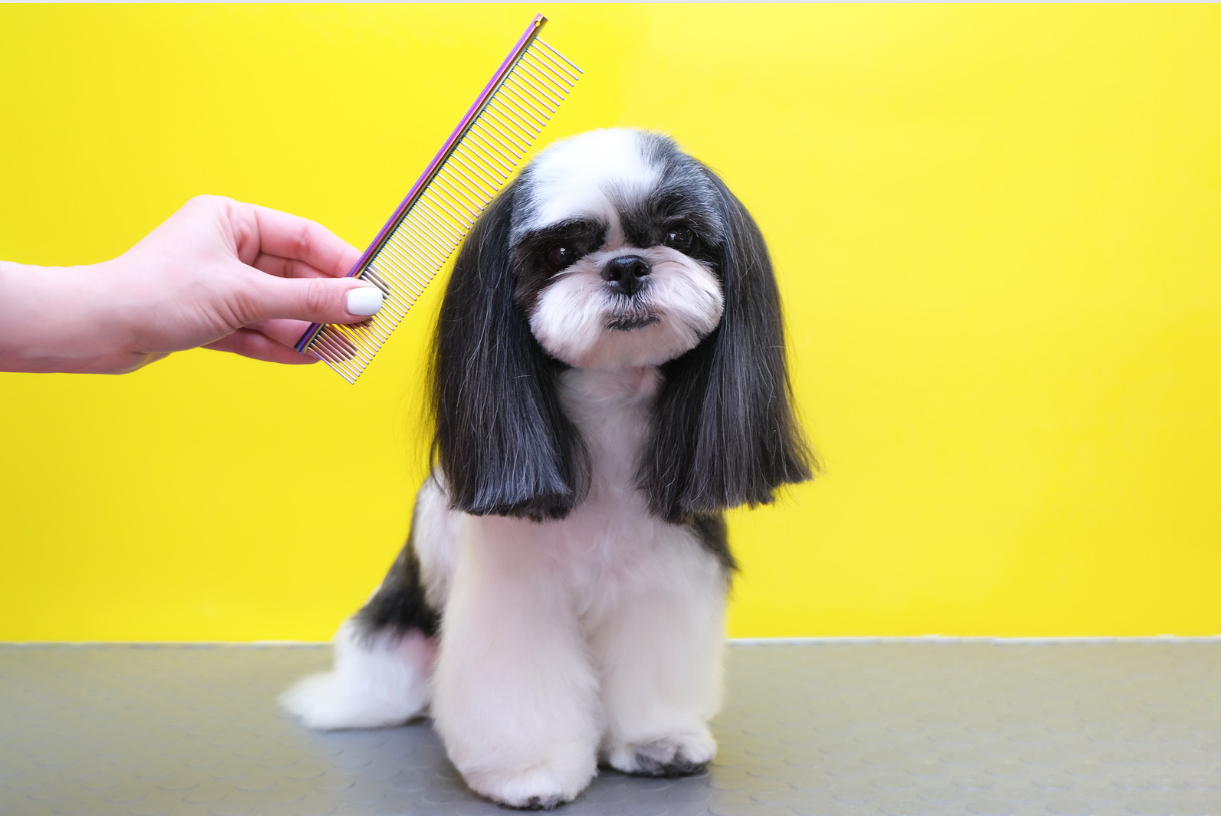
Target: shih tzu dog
point(608, 377)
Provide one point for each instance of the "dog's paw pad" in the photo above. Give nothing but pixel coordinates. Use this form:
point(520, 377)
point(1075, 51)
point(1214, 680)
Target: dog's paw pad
point(679, 765)
point(667, 757)
point(544, 786)
point(533, 803)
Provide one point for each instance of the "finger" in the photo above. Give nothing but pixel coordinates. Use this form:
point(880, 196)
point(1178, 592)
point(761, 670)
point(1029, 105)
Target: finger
point(287, 332)
point(315, 300)
point(258, 346)
point(286, 267)
point(299, 239)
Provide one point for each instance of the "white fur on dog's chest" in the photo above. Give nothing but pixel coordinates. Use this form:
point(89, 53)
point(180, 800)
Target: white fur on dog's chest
point(611, 410)
point(610, 545)
point(611, 542)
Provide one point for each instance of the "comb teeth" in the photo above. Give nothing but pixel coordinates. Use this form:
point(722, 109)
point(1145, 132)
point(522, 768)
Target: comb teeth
point(472, 167)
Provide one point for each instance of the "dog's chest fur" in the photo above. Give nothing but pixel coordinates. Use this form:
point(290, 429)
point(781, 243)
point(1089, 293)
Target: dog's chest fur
point(610, 548)
point(603, 543)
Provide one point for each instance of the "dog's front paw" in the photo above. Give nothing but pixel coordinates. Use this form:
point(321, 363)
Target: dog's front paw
point(542, 787)
point(677, 755)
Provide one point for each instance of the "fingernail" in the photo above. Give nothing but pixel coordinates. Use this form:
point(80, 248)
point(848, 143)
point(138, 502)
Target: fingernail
point(364, 301)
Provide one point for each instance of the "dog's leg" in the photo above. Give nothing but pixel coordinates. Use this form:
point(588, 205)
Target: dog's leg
point(379, 679)
point(514, 696)
point(659, 661)
point(384, 653)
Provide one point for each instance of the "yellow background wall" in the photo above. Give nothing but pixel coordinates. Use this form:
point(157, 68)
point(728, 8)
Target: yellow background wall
point(997, 232)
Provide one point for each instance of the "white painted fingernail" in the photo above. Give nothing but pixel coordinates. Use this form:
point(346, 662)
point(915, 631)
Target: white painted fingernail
point(364, 301)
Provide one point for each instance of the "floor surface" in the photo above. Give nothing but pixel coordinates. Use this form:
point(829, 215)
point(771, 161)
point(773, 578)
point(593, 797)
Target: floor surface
point(895, 728)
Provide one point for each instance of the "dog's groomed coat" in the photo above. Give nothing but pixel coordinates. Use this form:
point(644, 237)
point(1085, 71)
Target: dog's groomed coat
point(608, 377)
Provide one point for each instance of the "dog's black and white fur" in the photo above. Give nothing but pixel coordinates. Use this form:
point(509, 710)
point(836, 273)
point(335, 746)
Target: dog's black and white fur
point(608, 377)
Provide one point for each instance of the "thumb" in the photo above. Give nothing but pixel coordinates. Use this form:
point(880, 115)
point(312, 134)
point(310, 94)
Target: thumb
point(316, 300)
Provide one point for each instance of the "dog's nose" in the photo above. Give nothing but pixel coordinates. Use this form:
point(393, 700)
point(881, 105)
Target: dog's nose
point(624, 273)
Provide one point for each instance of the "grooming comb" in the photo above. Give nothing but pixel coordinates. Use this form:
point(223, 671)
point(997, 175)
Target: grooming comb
point(471, 167)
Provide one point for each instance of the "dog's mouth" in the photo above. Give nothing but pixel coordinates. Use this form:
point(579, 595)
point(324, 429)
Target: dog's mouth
point(632, 322)
point(631, 313)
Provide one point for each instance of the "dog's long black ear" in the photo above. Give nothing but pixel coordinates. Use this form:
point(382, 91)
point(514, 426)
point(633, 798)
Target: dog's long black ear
point(724, 432)
point(502, 440)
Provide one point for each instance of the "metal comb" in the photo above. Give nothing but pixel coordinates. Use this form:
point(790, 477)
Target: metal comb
point(474, 163)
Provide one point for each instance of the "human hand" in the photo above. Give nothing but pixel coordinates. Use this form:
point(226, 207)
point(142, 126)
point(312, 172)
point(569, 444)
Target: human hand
point(218, 273)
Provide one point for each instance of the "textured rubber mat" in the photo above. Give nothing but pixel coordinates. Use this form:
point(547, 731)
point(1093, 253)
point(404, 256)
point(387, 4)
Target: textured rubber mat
point(894, 728)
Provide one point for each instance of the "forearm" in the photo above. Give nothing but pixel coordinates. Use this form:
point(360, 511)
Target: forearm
point(54, 319)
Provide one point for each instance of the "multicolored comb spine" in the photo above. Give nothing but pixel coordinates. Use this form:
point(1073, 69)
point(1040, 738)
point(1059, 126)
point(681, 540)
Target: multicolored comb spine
point(472, 166)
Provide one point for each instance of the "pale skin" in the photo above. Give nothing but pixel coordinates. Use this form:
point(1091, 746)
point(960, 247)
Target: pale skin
point(217, 274)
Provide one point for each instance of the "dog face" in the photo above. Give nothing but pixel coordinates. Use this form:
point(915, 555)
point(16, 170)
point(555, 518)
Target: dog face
point(614, 238)
point(614, 249)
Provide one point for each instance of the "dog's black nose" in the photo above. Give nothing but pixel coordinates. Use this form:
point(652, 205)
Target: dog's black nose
point(624, 273)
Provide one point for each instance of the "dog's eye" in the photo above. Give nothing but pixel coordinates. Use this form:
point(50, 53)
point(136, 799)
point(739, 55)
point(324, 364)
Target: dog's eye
point(559, 257)
point(679, 238)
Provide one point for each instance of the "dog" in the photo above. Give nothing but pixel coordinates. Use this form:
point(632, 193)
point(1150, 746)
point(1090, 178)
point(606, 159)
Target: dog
point(608, 376)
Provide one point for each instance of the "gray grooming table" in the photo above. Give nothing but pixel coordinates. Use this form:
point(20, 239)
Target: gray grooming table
point(812, 729)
